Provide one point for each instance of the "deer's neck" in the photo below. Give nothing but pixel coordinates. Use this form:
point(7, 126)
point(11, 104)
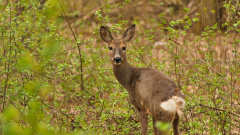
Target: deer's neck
point(123, 74)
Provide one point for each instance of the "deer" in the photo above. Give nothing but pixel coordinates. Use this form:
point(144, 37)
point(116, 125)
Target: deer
point(151, 92)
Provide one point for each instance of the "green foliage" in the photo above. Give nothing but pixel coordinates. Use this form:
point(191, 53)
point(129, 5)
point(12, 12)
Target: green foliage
point(54, 82)
point(163, 126)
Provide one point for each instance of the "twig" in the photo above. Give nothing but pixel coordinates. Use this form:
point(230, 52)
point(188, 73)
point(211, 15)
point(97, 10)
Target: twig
point(101, 109)
point(4, 7)
point(220, 110)
point(8, 65)
point(72, 120)
point(78, 45)
point(175, 42)
point(175, 65)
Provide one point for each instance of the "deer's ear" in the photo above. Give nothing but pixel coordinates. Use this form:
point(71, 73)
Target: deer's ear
point(105, 34)
point(129, 33)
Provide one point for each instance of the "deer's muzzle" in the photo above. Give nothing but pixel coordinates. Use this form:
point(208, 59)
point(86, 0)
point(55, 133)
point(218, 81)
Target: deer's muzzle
point(117, 59)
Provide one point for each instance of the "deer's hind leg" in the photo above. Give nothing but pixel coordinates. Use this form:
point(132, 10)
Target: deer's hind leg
point(162, 116)
point(155, 130)
point(143, 118)
point(176, 124)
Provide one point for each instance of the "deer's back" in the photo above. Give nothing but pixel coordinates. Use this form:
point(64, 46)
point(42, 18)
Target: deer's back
point(150, 85)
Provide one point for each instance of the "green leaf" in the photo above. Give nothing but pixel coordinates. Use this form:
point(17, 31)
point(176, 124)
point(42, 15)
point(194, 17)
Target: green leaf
point(163, 126)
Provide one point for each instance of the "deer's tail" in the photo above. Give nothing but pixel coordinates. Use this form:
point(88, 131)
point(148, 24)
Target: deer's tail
point(174, 104)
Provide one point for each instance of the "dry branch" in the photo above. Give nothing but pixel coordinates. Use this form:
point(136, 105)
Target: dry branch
point(220, 110)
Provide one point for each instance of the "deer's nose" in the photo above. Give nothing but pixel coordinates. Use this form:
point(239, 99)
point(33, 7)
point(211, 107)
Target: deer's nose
point(117, 59)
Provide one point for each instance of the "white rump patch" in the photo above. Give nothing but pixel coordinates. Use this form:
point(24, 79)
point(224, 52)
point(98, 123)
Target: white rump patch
point(180, 101)
point(174, 104)
point(169, 105)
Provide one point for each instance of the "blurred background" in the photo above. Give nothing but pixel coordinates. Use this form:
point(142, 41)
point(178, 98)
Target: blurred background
point(56, 77)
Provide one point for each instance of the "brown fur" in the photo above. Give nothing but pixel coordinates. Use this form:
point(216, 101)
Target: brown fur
point(146, 87)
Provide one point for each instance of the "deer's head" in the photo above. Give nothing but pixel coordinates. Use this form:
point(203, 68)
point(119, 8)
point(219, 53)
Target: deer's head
point(117, 47)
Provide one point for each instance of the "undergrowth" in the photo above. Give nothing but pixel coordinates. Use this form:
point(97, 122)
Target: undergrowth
point(56, 77)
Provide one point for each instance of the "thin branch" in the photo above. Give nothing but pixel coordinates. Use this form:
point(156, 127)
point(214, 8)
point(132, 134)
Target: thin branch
point(220, 110)
point(4, 7)
point(9, 60)
point(72, 120)
point(78, 45)
point(101, 109)
point(175, 42)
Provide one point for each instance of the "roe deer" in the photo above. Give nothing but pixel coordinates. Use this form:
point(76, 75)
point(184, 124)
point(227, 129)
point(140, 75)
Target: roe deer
point(150, 91)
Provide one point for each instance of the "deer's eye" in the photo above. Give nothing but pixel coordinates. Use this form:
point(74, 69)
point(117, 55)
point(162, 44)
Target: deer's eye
point(110, 48)
point(124, 48)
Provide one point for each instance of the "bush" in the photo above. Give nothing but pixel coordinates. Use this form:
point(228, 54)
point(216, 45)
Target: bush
point(56, 77)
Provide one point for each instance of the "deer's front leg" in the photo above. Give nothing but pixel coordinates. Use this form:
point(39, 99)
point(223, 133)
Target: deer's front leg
point(143, 118)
